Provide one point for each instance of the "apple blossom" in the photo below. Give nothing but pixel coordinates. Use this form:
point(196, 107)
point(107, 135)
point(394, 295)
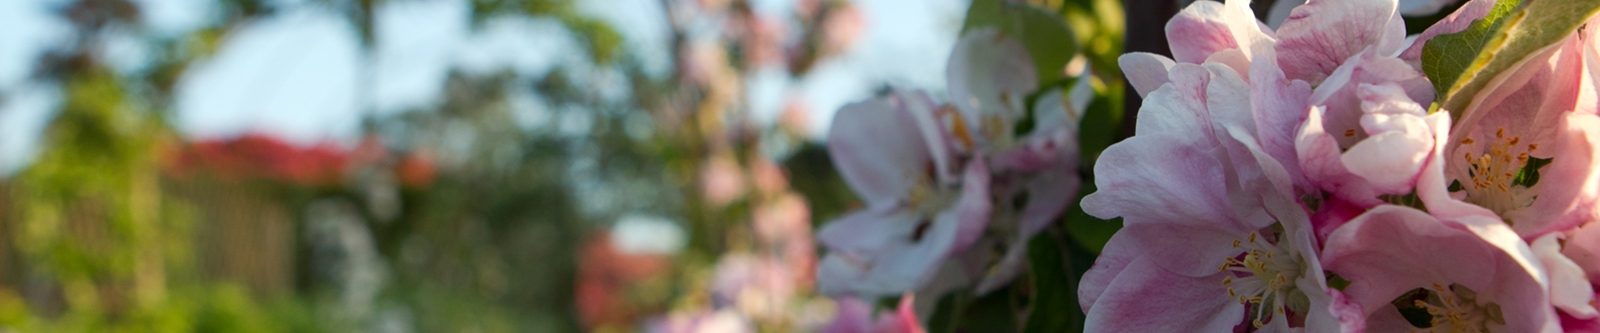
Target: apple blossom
point(1460, 274)
point(1213, 228)
point(893, 155)
point(1533, 114)
point(937, 179)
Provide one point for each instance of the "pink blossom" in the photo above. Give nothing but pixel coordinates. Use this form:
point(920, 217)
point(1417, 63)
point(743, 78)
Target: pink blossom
point(1540, 111)
point(1044, 168)
point(1228, 35)
point(895, 156)
point(1474, 274)
point(783, 227)
point(1368, 134)
point(1532, 114)
point(1212, 227)
point(722, 180)
point(842, 28)
point(1397, 138)
point(990, 76)
point(757, 286)
point(1320, 35)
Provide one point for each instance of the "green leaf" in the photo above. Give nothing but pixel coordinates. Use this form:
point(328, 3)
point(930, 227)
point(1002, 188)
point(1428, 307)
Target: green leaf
point(1090, 233)
point(1463, 63)
point(1445, 58)
point(960, 311)
point(1046, 35)
point(1055, 288)
point(1101, 121)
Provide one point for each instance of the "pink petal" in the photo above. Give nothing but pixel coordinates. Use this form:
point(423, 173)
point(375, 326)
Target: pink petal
point(1179, 108)
point(1432, 184)
point(1332, 214)
point(851, 316)
point(1183, 249)
point(1570, 290)
point(990, 73)
point(1323, 163)
point(1145, 298)
point(904, 319)
point(1145, 71)
point(1583, 246)
point(868, 230)
point(971, 211)
point(1389, 162)
point(1200, 30)
point(1344, 98)
point(1571, 324)
point(1112, 261)
point(1280, 107)
point(1049, 194)
point(1530, 97)
point(1318, 36)
point(878, 149)
point(1574, 195)
point(877, 254)
point(1148, 179)
point(1389, 250)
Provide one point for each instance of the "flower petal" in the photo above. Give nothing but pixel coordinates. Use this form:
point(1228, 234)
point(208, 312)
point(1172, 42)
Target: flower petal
point(1571, 198)
point(990, 73)
point(1318, 36)
point(1112, 261)
point(1145, 298)
point(868, 230)
point(1280, 106)
point(1389, 251)
point(878, 149)
point(972, 208)
point(1145, 71)
point(1570, 290)
point(1389, 161)
point(1154, 179)
point(1583, 246)
point(1205, 28)
point(1198, 31)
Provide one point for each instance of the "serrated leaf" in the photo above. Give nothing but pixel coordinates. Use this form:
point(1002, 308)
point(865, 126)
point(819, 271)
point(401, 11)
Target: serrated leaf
point(1445, 58)
point(1506, 41)
point(1046, 35)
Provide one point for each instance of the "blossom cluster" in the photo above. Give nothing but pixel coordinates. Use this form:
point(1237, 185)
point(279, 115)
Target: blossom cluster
point(952, 190)
point(1290, 176)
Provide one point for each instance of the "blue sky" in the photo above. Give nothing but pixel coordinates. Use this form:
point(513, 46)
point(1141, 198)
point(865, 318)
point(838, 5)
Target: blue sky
point(296, 74)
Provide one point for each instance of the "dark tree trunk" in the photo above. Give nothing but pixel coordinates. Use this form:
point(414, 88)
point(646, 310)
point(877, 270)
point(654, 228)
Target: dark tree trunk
point(1146, 32)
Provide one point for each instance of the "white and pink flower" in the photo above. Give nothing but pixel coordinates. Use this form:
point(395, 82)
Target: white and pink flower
point(937, 178)
point(1268, 162)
